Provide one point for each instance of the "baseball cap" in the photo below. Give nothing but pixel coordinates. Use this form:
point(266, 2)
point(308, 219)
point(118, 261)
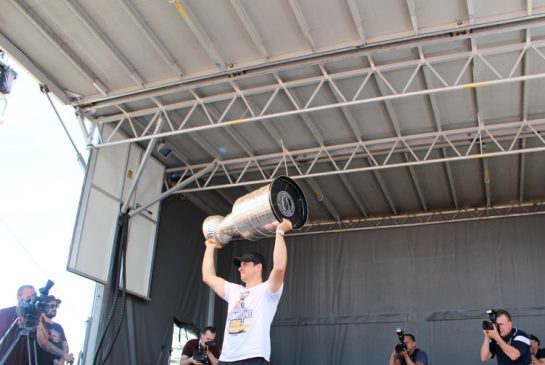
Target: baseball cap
point(254, 257)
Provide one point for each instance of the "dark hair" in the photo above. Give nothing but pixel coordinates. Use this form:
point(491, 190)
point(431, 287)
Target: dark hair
point(532, 337)
point(410, 336)
point(503, 312)
point(209, 328)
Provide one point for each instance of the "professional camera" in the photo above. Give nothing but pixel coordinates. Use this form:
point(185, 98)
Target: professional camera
point(400, 347)
point(489, 325)
point(202, 353)
point(31, 309)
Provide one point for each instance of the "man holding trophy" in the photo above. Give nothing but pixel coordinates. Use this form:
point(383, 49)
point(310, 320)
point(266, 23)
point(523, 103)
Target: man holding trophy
point(251, 307)
point(271, 210)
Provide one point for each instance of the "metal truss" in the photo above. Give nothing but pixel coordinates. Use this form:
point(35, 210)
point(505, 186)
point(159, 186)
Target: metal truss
point(427, 218)
point(481, 142)
point(198, 113)
point(281, 89)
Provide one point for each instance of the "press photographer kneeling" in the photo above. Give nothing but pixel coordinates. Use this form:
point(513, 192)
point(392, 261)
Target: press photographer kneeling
point(202, 350)
point(510, 345)
point(405, 352)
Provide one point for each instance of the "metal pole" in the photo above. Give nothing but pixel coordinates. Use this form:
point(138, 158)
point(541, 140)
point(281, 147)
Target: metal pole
point(45, 90)
point(177, 187)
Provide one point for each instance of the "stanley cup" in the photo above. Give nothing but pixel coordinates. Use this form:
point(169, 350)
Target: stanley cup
point(256, 214)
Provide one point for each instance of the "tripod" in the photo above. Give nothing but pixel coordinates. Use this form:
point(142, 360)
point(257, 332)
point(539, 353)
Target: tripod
point(27, 334)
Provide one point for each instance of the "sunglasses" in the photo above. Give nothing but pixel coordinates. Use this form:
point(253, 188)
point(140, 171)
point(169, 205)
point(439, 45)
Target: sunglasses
point(52, 306)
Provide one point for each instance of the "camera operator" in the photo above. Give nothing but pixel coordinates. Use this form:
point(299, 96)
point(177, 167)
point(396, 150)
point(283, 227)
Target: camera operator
point(538, 355)
point(510, 345)
point(19, 354)
point(53, 349)
point(408, 354)
point(202, 348)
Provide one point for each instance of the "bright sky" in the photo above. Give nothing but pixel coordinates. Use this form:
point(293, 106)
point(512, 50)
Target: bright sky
point(40, 186)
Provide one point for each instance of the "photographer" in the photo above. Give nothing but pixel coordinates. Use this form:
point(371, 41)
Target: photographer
point(408, 354)
point(204, 347)
point(538, 355)
point(53, 347)
point(19, 354)
point(510, 345)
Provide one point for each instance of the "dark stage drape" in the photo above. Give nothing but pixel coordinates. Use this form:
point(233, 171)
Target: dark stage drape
point(346, 293)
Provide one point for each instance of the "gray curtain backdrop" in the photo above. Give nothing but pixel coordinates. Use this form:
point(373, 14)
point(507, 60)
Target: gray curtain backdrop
point(346, 293)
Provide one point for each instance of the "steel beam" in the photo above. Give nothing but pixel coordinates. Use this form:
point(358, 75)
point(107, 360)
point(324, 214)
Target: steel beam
point(470, 11)
point(419, 219)
point(330, 206)
point(461, 143)
point(357, 135)
point(15, 52)
point(480, 121)
point(154, 41)
point(412, 12)
point(177, 187)
point(525, 91)
point(78, 154)
point(302, 22)
point(439, 125)
point(301, 110)
point(409, 41)
point(395, 123)
point(250, 29)
point(82, 15)
point(356, 17)
point(522, 167)
point(199, 33)
point(363, 73)
point(60, 45)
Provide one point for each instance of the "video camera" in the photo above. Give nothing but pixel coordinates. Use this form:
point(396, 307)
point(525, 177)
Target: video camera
point(31, 309)
point(400, 347)
point(489, 325)
point(202, 353)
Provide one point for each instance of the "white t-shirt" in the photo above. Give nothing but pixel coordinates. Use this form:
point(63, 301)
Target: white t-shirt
point(249, 316)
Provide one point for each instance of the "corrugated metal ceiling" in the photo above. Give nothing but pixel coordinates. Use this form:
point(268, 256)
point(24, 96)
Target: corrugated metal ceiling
point(378, 108)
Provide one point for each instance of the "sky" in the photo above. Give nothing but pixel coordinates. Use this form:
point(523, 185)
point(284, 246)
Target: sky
point(40, 187)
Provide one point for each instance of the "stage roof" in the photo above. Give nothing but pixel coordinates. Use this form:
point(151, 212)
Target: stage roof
point(385, 112)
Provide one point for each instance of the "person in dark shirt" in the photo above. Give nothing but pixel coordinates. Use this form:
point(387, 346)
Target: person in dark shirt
point(9, 316)
point(538, 355)
point(53, 349)
point(206, 338)
point(510, 345)
point(412, 356)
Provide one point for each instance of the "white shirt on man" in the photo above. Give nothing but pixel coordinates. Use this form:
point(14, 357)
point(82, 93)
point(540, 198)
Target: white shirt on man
point(249, 316)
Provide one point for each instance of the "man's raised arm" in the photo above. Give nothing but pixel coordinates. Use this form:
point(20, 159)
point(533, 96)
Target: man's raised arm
point(209, 276)
point(280, 256)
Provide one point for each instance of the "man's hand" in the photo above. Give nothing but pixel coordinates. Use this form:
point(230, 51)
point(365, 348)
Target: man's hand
point(211, 242)
point(492, 334)
point(193, 361)
point(285, 225)
point(68, 358)
point(394, 353)
point(393, 357)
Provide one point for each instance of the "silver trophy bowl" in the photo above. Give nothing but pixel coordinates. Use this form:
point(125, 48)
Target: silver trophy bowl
point(256, 214)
